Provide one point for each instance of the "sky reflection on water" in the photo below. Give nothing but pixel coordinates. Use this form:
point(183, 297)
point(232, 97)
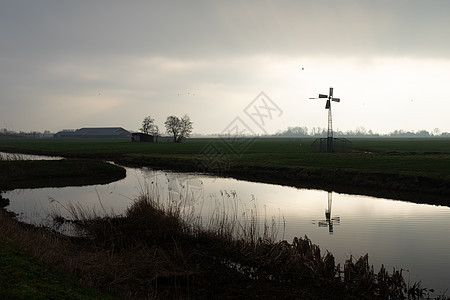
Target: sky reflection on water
point(397, 234)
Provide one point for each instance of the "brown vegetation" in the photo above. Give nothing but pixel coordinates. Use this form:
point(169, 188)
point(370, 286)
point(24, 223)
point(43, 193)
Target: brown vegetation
point(150, 252)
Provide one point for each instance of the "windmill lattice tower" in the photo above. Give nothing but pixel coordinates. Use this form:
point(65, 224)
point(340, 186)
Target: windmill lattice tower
point(329, 98)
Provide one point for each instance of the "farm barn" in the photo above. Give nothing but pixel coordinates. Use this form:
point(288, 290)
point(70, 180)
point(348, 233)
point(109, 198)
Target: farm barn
point(96, 132)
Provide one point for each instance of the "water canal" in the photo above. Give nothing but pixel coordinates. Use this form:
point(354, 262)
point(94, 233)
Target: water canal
point(394, 233)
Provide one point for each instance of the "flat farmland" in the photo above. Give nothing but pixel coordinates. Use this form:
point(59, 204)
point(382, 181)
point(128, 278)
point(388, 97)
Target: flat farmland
point(421, 156)
point(407, 165)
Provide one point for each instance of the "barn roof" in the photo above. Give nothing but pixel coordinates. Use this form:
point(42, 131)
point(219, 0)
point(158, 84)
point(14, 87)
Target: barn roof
point(95, 132)
point(102, 131)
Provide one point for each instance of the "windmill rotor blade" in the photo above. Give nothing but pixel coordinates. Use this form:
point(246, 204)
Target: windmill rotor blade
point(323, 96)
point(336, 99)
point(327, 106)
point(331, 92)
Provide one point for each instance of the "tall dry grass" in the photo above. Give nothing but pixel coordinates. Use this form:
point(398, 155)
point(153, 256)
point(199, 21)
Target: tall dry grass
point(162, 247)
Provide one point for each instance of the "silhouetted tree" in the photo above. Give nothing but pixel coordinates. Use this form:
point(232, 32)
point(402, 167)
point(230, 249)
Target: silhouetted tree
point(185, 127)
point(179, 128)
point(149, 127)
point(173, 126)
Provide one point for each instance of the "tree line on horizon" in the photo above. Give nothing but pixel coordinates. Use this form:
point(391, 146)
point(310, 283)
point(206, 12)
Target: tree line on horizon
point(358, 132)
point(181, 128)
point(316, 132)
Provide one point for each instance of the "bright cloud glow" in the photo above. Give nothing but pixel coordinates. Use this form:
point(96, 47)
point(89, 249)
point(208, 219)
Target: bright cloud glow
point(112, 64)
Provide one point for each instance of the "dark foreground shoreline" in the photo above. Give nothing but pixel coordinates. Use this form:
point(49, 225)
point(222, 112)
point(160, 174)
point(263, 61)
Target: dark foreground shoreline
point(150, 253)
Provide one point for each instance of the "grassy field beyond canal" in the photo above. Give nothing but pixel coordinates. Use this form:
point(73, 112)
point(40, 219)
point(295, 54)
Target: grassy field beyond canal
point(400, 168)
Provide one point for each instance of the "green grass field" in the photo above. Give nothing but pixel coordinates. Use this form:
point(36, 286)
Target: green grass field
point(419, 156)
point(196, 145)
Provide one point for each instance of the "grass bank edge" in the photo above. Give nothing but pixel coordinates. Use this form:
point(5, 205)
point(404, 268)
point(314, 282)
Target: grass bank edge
point(408, 186)
point(57, 173)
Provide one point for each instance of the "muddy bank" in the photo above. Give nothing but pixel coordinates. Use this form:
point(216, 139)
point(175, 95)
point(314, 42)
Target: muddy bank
point(413, 188)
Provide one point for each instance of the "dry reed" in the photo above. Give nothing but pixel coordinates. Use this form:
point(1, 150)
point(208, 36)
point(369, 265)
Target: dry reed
point(161, 248)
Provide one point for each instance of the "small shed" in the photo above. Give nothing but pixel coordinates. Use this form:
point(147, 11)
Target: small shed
point(142, 137)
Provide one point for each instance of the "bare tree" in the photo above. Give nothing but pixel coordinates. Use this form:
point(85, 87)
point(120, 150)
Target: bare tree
point(179, 128)
point(185, 127)
point(173, 126)
point(149, 127)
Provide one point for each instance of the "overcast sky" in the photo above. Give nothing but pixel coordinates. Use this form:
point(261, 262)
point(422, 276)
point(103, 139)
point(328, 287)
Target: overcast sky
point(72, 64)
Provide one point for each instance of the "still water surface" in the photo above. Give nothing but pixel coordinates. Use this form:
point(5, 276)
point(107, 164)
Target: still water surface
point(398, 234)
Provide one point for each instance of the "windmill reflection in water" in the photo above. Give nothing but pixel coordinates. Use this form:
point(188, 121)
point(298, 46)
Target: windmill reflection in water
point(329, 221)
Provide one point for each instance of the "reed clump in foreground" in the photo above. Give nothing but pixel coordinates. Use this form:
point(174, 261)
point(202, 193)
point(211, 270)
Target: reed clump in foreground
point(160, 250)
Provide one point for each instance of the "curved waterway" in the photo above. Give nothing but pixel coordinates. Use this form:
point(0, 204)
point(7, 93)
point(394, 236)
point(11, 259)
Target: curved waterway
point(398, 234)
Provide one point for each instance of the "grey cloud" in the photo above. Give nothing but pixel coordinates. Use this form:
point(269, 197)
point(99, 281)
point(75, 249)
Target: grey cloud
point(194, 29)
point(142, 48)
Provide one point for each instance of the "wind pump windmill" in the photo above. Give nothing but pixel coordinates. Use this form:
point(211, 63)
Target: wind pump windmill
point(329, 221)
point(329, 98)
